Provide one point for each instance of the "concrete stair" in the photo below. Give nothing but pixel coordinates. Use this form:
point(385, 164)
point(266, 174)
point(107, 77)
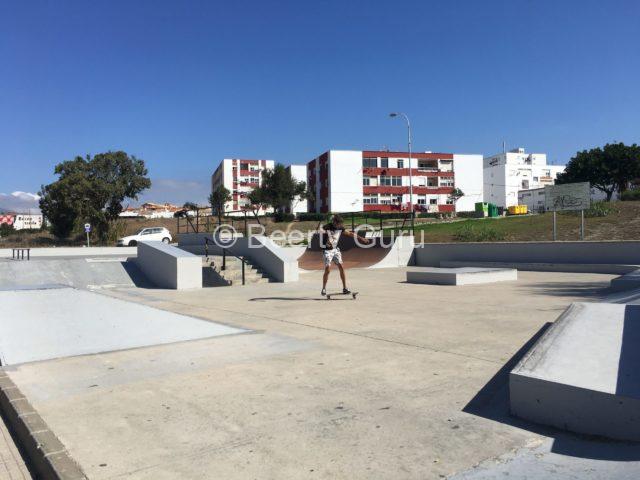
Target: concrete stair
point(214, 276)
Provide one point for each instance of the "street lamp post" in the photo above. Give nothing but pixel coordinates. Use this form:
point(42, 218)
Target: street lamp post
point(392, 115)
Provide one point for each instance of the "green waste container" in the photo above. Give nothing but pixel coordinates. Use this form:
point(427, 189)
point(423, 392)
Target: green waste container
point(493, 210)
point(482, 209)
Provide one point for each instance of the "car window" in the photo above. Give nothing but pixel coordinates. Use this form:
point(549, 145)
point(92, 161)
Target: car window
point(146, 231)
point(157, 230)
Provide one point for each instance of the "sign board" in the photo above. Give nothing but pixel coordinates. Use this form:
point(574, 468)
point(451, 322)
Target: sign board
point(87, 227)
point(570, 196)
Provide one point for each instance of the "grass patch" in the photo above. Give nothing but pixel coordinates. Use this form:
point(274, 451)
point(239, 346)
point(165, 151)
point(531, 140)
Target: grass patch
point(470, 232)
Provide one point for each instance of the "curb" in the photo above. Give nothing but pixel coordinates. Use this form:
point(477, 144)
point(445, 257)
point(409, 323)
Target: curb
point(46, 455)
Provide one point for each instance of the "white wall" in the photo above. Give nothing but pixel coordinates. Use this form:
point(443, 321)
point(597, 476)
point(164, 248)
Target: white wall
point(468, 178)
point(299, 173)
point(345, 181)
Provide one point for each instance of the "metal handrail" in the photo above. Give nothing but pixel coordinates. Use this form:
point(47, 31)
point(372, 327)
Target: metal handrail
point(206, 222)
point(18, 253)
point(224, 257)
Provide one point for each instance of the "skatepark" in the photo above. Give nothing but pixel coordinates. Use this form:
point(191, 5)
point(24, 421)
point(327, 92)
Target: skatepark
point(108, 375)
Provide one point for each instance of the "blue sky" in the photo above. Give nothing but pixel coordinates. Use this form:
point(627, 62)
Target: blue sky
point(183, 84)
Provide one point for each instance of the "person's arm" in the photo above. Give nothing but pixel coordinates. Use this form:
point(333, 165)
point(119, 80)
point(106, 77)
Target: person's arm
point(353, 235)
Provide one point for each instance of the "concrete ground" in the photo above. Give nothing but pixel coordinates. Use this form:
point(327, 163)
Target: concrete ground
point(406, 382)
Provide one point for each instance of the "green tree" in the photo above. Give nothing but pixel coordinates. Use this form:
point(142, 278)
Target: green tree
point(190, 206)
point(92, 189)
point(218, 198)
point(279, 189)
point(456, 194)
point(608, 169)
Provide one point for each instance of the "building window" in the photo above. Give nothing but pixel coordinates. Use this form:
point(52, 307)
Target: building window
point(370, 162)
point(400, 163)
point(433, 201)
point(370, 199)
point(384, 163)
point(535, 179)
point(366, 181)
point(422, 201)
point(389, 181)
point(525, 184)
point(428, 164)
point(449, 201)
point(446, 182)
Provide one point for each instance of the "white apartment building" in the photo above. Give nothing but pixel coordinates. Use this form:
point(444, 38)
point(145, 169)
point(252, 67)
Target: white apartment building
point(298, 173)
point(354, 180)
point(239, 177)
point(505, 174)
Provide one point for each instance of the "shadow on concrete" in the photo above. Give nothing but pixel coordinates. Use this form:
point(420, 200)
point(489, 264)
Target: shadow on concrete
point(138, 278)
point(295, 299)
point(569, 289)
point(628, 383)
point(492, 402)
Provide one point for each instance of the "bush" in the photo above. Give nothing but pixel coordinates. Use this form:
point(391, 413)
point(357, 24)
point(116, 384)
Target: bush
point(312, 217)
point(467, 214)
point(428, 215)
point(630, 195)
point(597, 209)
point(478, 233)
point(283, 217)
point(6, 230)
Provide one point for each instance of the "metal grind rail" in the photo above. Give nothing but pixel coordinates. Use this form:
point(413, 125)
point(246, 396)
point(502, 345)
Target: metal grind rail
point(223, 267)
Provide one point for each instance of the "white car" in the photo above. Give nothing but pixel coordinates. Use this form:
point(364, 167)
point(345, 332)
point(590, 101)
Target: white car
point(153, 233)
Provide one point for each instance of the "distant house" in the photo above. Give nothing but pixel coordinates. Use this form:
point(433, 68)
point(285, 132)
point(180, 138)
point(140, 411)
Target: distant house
point(151, 210)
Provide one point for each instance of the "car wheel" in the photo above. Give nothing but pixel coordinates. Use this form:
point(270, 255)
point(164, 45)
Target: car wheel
point(133, 243)
point(165, 240)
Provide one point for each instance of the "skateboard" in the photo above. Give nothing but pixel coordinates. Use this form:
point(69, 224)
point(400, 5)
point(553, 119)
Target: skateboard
point(353, 295)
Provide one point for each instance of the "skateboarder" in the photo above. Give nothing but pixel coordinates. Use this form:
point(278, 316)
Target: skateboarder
point(331, 253)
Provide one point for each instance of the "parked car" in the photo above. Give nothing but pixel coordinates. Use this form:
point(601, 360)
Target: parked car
point(153, 233)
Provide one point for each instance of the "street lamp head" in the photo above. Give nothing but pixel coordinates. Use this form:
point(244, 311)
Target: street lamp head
point(393, 114)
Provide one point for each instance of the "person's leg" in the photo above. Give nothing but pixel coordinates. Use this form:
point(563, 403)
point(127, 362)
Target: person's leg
point(343, 277)
point(325, 277)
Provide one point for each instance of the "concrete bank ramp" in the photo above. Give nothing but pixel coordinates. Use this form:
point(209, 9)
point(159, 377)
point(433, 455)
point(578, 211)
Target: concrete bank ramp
point(53, 323)
point(583, 375)
point(91, 273)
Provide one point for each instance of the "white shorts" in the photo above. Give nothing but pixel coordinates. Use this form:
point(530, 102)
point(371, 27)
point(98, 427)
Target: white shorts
point(334, 256)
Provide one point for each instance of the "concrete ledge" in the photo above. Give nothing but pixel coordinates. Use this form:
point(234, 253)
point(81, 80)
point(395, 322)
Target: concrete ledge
point(583, 375)
point(46, 454)
point(460, 276)
point(546, 267)
point(168, 266)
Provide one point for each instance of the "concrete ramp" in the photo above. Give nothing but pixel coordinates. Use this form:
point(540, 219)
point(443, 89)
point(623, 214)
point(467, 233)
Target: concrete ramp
point(92, 273)
point(386, 252)
point(583, 375)
point(53, 323)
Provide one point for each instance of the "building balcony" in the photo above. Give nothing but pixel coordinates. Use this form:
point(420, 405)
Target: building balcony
point(404, 172)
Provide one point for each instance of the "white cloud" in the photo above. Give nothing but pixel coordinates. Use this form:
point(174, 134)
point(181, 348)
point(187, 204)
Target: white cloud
point(19, 202)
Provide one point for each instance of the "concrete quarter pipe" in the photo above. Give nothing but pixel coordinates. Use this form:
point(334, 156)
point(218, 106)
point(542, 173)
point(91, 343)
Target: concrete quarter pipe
point(384, 252)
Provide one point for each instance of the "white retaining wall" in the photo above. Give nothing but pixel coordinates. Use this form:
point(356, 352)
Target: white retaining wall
point(538, 255)
point(73, 251)
point(168, 266)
